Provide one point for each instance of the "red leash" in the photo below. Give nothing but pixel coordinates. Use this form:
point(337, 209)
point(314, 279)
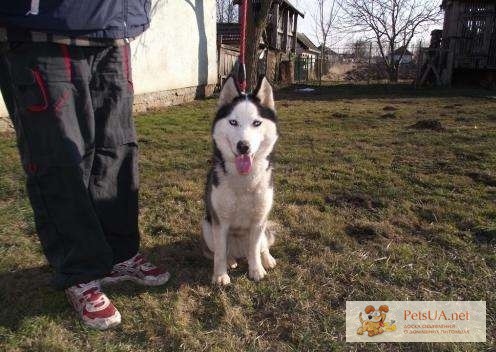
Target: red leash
point(242, 46)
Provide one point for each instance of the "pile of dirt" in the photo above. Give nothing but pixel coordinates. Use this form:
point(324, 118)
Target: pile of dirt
point(377, 71)
point(485, 235)
point(364, 231)
point(483, 178)
point(355, 200)
point(433, 125)
point(339, 115)
point(453, 106)
point(388, 115)
point(338, 71)
point(389, 108)
point(464, 119)
point(364, 72)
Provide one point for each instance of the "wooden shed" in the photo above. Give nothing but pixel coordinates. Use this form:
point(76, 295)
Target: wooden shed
point(469, 40)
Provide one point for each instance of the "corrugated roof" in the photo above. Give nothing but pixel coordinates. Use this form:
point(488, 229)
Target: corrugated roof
point(228, 32)
point(327, 50)
point(402, 51)
point(306, 42)
point(445, 2)
point(294, 8)
point(286, 2)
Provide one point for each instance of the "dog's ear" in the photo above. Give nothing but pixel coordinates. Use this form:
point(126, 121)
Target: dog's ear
point(369, 309)
point(384, 309)
point(229, 92)
point(264, 93)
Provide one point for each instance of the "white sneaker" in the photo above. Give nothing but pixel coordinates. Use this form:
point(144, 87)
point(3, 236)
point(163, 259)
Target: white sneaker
point(139, 270)
point(93, 306)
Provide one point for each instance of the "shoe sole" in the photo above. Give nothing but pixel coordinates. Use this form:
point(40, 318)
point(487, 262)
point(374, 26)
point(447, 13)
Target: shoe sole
point(115, 280)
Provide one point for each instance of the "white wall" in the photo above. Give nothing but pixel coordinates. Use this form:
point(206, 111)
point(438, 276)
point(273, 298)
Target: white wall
point(179, 49)
point(406, 59)
point(3, 109)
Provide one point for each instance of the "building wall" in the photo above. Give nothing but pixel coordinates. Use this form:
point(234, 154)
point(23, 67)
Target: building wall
point(406, 59)
point(175, 60)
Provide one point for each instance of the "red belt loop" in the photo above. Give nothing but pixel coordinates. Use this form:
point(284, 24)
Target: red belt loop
point(44, 94)
point(66, 55)
point(126, 60)
point(32, 168)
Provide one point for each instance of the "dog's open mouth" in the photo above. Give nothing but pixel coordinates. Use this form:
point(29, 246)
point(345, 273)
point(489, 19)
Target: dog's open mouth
point(243, 163)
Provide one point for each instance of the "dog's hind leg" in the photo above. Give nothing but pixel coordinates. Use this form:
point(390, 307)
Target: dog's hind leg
point(268, 239)
point(207, 241)
point(268, 260)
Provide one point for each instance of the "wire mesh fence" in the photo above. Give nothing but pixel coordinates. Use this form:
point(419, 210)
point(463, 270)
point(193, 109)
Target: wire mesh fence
point(362, 63)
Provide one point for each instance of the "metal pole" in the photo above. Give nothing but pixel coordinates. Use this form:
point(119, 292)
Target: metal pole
point(242, 47)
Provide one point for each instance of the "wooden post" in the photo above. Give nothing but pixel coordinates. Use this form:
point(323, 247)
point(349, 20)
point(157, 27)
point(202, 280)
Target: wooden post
point(370, 62)
point(285, 30)
point(295, 31)
point(490, 18)
point(275, 23)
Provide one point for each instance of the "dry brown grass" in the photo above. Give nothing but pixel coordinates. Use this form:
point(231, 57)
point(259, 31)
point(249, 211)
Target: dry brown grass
point(367, 208)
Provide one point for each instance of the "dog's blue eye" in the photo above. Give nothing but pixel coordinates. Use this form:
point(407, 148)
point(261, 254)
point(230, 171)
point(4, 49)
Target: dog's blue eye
point(257, 123)
point(233, 122)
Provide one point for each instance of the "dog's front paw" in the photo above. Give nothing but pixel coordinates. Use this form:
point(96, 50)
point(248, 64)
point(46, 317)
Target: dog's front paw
point(222, 279)
point(268, 261)
point(257, 273)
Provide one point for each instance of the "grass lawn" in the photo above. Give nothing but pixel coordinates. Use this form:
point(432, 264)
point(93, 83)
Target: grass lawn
point(369, 208)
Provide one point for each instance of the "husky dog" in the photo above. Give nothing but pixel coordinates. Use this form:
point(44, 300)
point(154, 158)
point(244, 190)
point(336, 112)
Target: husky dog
point(239, 191)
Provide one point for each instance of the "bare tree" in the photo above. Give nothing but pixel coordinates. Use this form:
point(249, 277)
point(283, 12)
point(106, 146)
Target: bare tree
point(392, 23)
point(360, 49)
point(220, 5)
point(227, 12)
point(258, 15)
point(325, 16)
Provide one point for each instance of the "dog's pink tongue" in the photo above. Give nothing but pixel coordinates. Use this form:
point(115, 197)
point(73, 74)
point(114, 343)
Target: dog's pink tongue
point(243, 164)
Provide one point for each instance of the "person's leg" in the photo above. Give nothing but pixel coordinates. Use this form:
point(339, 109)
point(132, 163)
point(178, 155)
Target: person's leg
point(54, 121)
point(6, 80)
point(114, 179)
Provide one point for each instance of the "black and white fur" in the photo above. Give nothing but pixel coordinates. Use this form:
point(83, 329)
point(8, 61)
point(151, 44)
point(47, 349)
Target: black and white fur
point(238, 204)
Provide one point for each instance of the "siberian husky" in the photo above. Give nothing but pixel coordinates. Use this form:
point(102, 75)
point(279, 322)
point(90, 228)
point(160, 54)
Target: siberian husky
point(239, 190)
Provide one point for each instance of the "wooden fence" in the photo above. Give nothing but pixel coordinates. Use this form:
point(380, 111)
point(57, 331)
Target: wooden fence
point(227, 56)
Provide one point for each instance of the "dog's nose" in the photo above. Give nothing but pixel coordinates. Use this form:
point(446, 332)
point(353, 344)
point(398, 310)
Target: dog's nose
point(370, 317)
point(243, 147)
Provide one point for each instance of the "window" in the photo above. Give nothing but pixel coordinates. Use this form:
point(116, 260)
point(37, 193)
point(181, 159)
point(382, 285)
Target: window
point(474, 28)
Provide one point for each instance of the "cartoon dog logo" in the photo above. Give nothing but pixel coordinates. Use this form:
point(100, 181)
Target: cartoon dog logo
point(375, 321)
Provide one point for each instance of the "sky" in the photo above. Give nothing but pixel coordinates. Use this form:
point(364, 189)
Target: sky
point(338, 41)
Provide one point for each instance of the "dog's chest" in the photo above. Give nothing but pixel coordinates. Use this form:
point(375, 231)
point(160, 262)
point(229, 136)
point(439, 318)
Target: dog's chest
point(241, 205)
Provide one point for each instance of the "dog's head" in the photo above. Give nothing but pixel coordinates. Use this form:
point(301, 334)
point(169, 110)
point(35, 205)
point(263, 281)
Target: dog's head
point(378, 315)
point(245, 127)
